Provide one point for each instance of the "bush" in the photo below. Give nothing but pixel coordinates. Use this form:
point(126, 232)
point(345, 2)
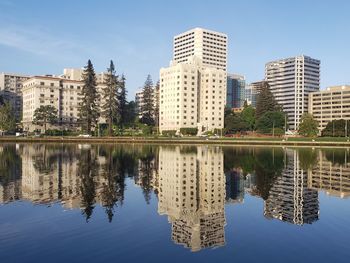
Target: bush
point(189, 131)
point(169, 133)
point(147, 130)
point(57, 132)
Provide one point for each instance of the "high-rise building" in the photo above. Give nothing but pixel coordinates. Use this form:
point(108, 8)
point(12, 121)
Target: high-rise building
point(210, 46)
point(63, 94)
point(291, 80)
point(330, 104)
point(192, 96)
point(11, 89)
point(252, 91)
point(139, 102)
point(235, 91)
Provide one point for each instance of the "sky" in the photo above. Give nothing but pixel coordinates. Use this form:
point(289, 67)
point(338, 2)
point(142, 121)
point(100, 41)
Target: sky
point(42, 37)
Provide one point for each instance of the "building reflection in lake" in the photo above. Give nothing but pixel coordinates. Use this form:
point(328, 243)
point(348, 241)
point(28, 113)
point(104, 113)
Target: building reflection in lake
point(192, 195)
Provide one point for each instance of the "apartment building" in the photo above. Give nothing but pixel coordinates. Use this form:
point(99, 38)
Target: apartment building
point(210, 46)
point(330, 104)
point(291, 80)
point(63, 94)
point(11, 90)
point(192, 96)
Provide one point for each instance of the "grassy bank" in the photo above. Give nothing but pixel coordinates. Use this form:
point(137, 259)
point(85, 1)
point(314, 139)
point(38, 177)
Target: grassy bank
point(321, 141)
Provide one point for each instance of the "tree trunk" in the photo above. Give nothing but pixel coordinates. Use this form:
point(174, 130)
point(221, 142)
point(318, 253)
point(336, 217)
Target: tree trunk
point(110, 127)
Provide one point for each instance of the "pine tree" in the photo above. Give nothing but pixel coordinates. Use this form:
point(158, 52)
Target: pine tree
point(89, 109)
point(123, 103)
point(147, 108)
point(110, 107)
point(265, 101)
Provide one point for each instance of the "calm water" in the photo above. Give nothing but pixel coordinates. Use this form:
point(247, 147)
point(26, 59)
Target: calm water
point(134, 203)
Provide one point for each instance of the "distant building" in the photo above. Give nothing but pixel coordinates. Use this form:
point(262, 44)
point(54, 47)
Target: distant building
point(11, 89)
point(235, 91)
point(291, 80)
point(210, 46)
point(63, 94)
point(252, 92)
point(330, 104)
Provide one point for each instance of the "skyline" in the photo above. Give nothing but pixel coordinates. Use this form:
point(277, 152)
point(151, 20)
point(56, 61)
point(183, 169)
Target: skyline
point(140, 42)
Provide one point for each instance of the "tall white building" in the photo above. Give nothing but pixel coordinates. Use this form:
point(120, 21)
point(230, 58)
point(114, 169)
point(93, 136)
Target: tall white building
point(210, 46)
point(291, 80)
point(193, 87)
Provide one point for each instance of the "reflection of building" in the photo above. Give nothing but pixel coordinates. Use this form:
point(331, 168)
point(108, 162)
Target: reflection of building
point(192, 194)
point(330, 104)
point(235, 185)
point(334, 179)
point(290, 199)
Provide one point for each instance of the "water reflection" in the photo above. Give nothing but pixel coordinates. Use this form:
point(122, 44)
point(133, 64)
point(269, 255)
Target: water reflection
point(192, 184)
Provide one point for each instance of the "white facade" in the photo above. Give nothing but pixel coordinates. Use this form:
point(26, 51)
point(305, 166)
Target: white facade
point(192, 96)
point(210, 46)
point(291, 80)
point(63, 94)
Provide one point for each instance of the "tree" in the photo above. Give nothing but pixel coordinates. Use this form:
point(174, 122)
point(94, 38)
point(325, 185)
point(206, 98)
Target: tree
point(336, 128)
point(44, 115)
point(308, 125)
point(130, 115)
point(271, 122)
point(234, 123)
point(110, 108)
point(147, 108)
point(123, 103)
point(7, 118)
point(265, 101)
point(248, 116)
point(89, 110)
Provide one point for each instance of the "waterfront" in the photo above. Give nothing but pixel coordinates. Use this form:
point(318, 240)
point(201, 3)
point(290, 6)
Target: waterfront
point(91, 202)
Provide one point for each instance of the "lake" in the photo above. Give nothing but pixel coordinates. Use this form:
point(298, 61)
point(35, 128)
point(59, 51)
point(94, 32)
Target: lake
point(149, 203)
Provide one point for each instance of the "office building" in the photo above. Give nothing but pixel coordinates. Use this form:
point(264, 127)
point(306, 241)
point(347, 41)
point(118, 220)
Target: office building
point(252, 91)
point(192, 96)
point(63, 94)
point(11, 91)
point(291, 80)
point(330, 104)
point(235, 91)
point(209, 46)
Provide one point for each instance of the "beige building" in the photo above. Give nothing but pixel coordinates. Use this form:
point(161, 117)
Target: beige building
point(192, 96)
point(64, 94)
point(192, 194)
point(330, 104)
point(208, 45)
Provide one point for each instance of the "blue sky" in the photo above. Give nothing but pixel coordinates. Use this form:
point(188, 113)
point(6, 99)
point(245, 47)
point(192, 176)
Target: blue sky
point(43, 37)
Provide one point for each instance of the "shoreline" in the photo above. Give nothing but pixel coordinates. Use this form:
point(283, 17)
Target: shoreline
point(182, 141)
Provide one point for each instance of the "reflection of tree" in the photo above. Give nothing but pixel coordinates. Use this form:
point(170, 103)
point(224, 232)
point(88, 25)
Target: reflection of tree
point(307, 158)
point(336, 156)
point(239, 158)
point(44, 159)
point(113, 188)
point(87, 170)
point(10, 164)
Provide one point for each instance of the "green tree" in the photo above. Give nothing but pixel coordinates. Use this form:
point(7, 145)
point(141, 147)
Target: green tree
point(44, 115)
point(271, 120)
point(234, 123)
point(123, 103)
point(7, 118)
point(147, 108)
point(89, 109)
point(336, 128)
point(248, 116)
point(308, 125)
point(130, 116)
point(265, 101)
point(110, 107)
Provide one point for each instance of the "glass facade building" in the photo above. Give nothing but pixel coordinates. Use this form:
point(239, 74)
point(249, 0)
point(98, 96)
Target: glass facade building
point(235, 91)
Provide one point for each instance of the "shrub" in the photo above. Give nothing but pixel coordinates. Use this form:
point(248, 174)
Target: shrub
point(189, 131)
point(169, 133)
